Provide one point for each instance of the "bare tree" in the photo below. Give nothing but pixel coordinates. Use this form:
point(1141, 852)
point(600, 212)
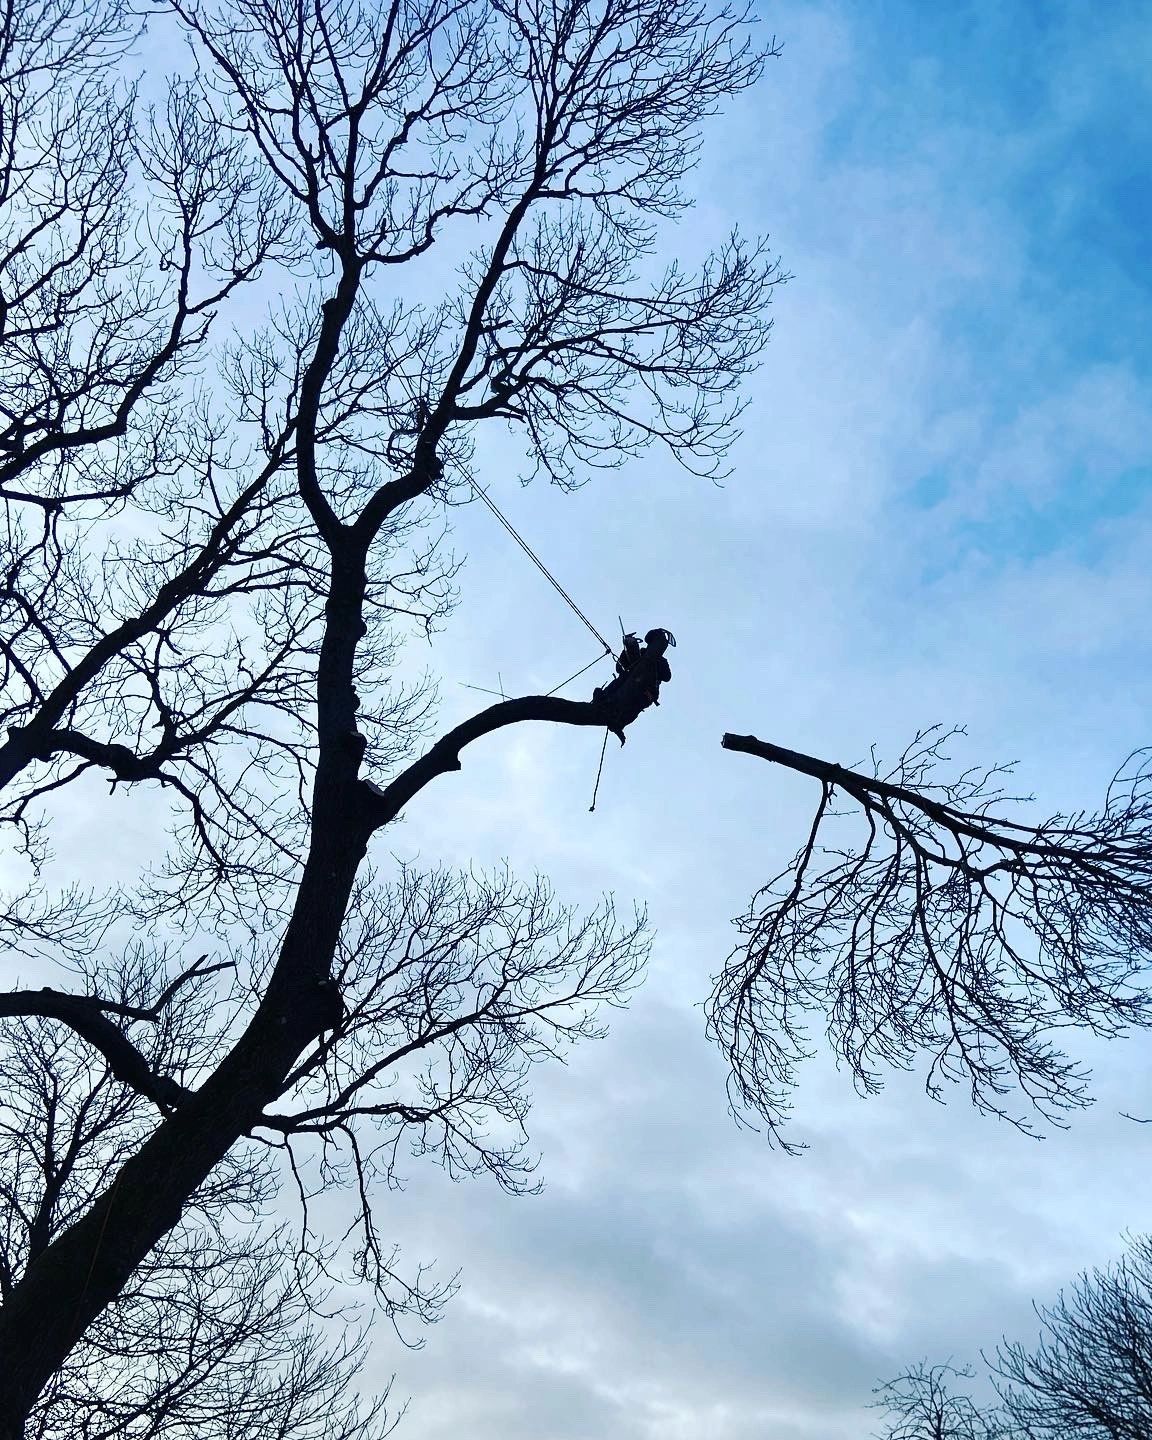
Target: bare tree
point(919, 921)
point(925, 1405)
point(231, 430)
point(218, 1332)
point(1089, 1374)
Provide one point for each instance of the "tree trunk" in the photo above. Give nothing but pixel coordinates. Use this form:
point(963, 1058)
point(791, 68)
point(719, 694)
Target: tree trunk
point(87, 1266)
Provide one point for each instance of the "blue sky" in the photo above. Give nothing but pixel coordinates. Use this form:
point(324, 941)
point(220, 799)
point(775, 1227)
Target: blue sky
point(939, 511)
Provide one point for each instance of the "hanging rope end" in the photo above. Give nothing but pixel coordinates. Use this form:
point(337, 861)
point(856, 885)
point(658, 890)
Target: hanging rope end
point(599, 772)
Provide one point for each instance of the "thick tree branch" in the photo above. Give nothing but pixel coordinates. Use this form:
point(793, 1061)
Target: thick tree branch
point(444, 756)
point(1025, 840)
point(24, 743)
point(124, 763)
point(85, 1015)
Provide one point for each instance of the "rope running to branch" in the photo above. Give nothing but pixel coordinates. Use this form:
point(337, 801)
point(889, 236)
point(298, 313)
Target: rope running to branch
point(511, 529)
point(584, 671)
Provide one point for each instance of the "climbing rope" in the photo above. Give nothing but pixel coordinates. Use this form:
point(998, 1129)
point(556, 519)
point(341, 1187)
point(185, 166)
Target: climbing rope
point(599, 772)
point(500, 695)
point(556, 689)
point(568, 600)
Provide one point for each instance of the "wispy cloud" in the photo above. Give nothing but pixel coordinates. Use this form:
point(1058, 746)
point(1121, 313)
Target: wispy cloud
point(940, 511)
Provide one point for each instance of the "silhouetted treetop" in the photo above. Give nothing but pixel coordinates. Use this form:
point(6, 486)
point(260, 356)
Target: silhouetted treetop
point(247, 335)
point(1088, 1375)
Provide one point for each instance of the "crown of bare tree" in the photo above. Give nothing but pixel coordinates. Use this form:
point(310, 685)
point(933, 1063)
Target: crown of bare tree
point(1088, 1375)
point(229, 422)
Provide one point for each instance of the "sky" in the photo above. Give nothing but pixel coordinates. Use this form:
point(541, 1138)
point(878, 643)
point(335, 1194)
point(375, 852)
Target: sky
point(939, 512)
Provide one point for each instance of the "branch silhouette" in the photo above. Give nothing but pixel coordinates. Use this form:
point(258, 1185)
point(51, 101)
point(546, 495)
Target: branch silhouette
point(940, 927)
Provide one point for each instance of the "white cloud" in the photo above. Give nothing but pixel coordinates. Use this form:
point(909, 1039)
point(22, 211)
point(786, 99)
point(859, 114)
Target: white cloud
point(678, 1278)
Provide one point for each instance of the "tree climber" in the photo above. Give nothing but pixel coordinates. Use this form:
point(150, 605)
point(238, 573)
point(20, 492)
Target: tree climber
point(640, 671)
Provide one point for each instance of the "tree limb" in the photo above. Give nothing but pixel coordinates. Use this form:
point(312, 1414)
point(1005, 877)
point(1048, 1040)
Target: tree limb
point(85, 1015)
point(940, 928)
point(985, 829)
point(444, 756)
